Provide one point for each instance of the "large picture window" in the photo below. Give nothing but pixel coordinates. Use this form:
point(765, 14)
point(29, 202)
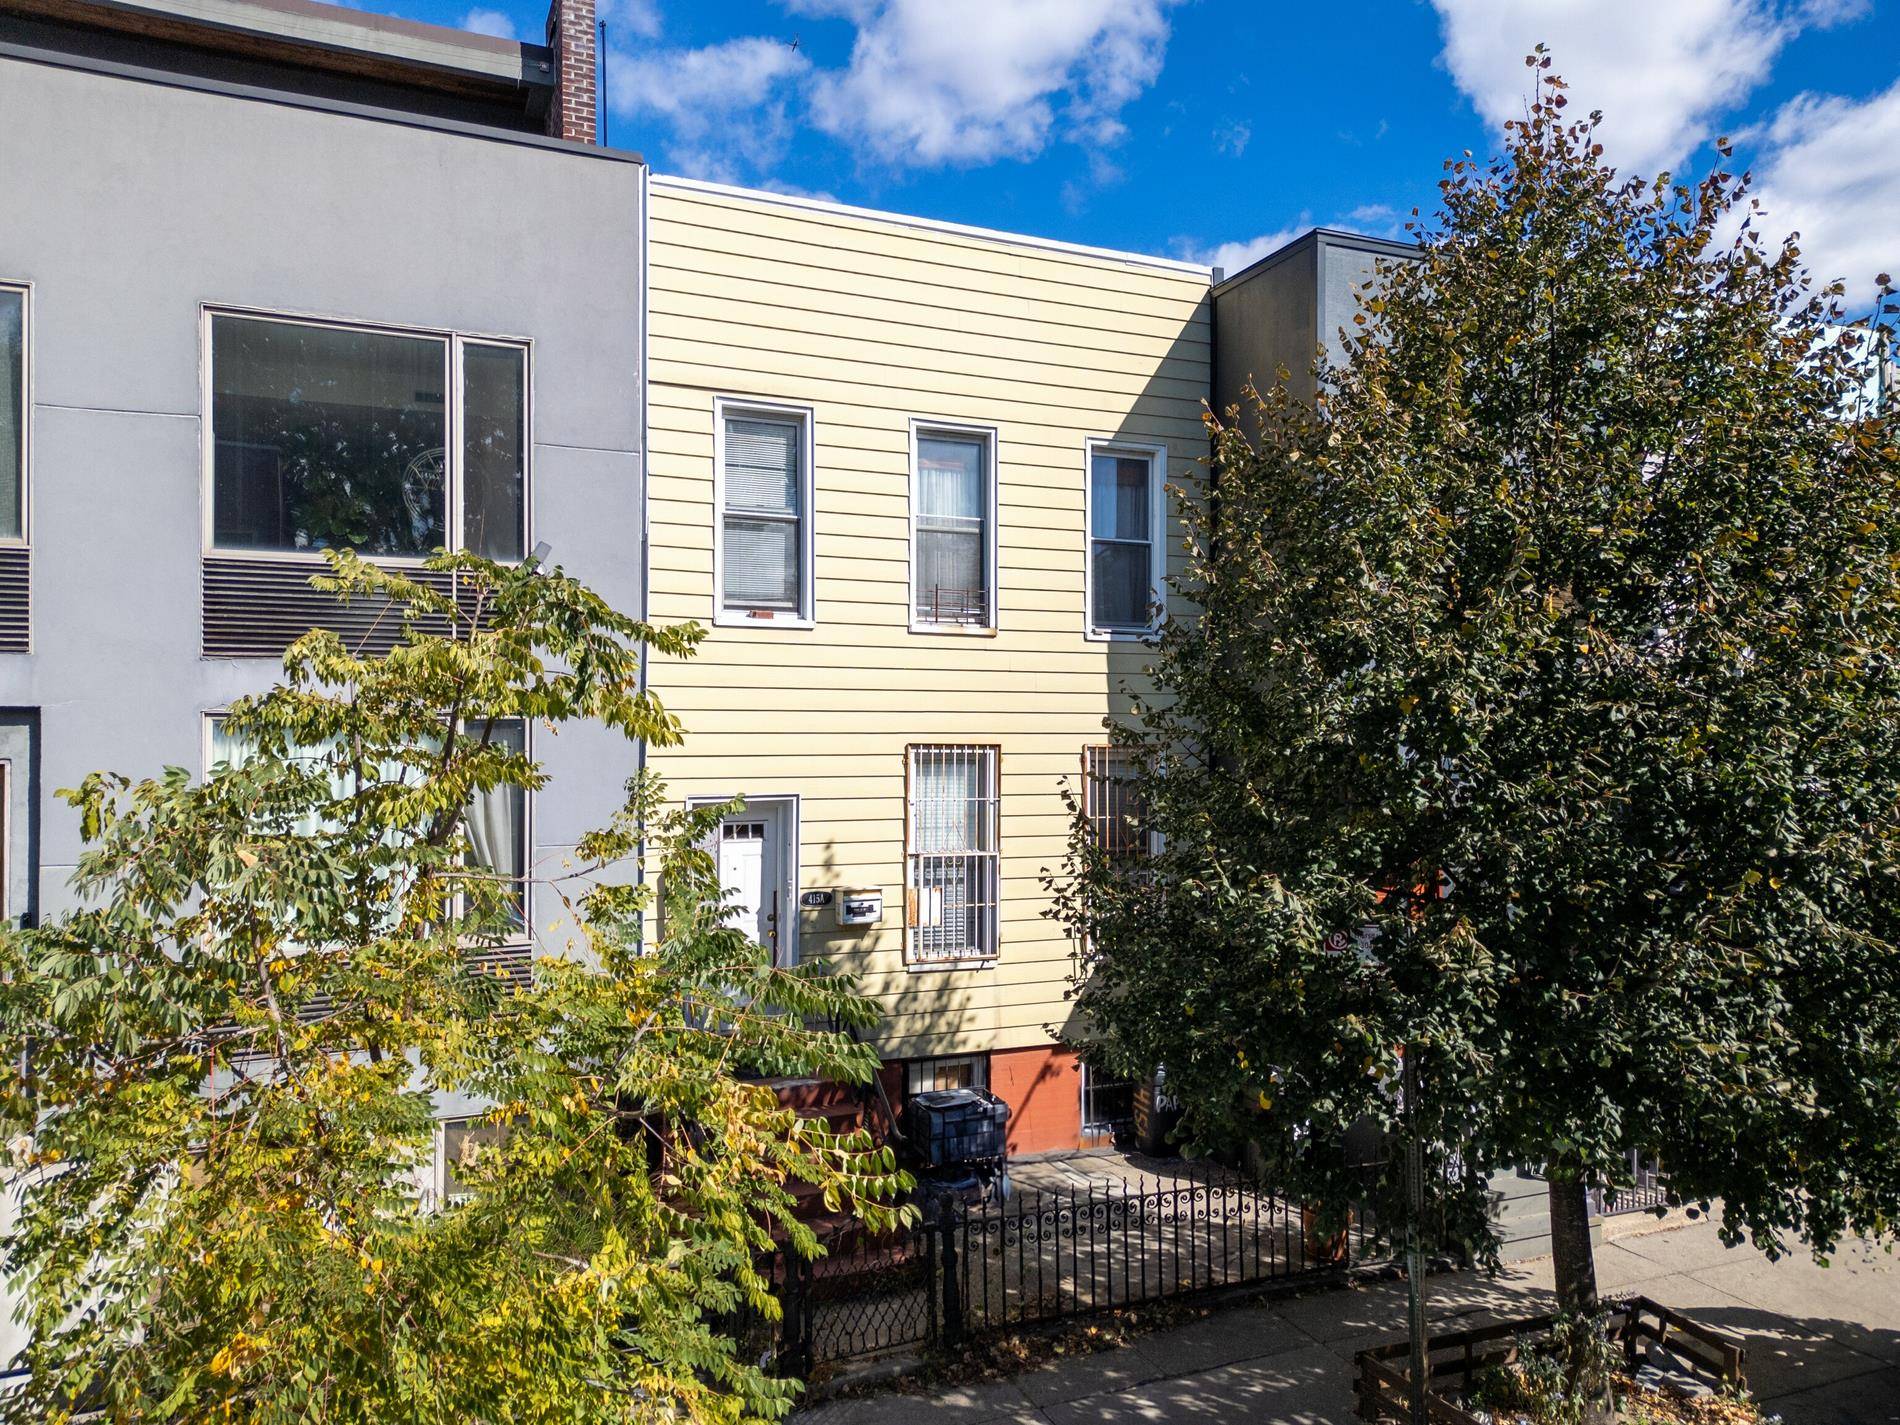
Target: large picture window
point(953, 877)
point(394, 444)
point(1124, 514)
point(953, 533)
point(13, 413)
point(764, 534)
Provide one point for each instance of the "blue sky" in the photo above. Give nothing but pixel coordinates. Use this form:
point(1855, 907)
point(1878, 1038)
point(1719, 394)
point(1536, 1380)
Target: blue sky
point(1213, 129)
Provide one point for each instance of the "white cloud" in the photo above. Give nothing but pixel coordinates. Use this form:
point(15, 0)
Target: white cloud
point(490, 22)
point(1829, 169)
point(725, 104)
point(1232, 139)
point(639, 18)
point(1230, 257)
point(1662, 71)
point(931, 83)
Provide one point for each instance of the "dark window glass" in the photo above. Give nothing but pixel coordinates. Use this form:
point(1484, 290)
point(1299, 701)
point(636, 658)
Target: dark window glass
point(764, 495)
point(327, 439)
point(494, 449)
point(12, 412)
point(1121, 544)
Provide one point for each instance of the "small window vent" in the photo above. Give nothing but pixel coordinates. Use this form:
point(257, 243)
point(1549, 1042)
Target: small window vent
point(256, 608)
point(16, 605)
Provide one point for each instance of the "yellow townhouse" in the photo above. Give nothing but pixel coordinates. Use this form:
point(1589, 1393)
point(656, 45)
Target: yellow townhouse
point(911, 477)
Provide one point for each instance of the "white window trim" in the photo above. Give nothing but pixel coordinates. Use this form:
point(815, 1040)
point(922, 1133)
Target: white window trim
point(1157, 457)
point(806, 615)
point(792, 824)
point(25, 539)
point(208, 720)
point(454, 343)
point(923, 965)
point(919, 427)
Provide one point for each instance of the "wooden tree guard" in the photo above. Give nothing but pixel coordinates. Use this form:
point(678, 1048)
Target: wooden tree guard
point(1456, 1358)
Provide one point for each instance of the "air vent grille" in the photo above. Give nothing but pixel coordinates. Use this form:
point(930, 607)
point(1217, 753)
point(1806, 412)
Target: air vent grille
point(16, 603)
point(256, 608)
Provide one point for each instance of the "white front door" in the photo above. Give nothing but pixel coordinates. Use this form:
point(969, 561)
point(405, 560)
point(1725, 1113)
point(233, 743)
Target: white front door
point(753, 875)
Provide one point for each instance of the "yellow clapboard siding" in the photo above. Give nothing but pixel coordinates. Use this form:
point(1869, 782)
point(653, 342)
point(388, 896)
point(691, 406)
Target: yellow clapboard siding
point(923, 366)
point(870, 325)
point(952, 330)
point(855, 234)
point(751, 244)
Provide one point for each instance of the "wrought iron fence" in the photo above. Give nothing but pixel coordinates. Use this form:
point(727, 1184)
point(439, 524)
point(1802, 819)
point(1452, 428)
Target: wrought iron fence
point(1044, 1257)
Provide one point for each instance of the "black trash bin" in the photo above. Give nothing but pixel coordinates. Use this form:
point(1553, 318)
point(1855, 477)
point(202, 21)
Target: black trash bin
point(947, 1128)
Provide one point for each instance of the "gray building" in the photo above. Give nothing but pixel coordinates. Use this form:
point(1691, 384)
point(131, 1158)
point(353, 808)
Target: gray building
point(1282, 312)
point(233, 229)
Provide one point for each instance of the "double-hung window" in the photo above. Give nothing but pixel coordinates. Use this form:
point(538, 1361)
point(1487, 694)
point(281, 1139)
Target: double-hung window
point(13, 414)
point(952, 874)
point(391, 443)
point(953, 529)
point(1124, 520)
point(763, 493)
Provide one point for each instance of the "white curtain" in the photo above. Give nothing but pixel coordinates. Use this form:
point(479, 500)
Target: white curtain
point(497, 828)
point(952, 538)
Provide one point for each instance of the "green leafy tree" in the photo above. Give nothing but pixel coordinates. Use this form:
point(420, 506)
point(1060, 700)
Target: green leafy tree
point(227, 1062)
point(1539, 718)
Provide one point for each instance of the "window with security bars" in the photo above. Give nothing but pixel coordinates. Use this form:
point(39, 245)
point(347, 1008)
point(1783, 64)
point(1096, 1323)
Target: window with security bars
point(1108, 1102)
point(763, 525)
point(952, 534)
point(952, 880)
point(1112, 801)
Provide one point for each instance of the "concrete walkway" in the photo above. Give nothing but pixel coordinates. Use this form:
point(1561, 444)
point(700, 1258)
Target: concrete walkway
point(1823, 1344)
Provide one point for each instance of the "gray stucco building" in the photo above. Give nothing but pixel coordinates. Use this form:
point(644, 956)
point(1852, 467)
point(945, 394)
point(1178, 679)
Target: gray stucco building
point(233, 227)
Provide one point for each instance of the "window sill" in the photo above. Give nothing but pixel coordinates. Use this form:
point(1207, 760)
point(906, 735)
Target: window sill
point(962, 962)
point(1121, 635)
point(738, 618)
point(956, 630)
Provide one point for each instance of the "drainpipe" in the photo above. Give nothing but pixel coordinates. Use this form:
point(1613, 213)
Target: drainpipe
point(646, 520)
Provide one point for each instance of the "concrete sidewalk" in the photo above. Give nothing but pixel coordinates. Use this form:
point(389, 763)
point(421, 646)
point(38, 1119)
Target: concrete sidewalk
point(1823, 1344)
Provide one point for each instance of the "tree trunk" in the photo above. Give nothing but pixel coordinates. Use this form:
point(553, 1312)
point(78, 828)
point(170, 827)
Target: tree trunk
point(1573, 1257)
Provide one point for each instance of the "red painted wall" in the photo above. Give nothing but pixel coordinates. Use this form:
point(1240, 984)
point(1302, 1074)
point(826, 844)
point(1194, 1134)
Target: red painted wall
point(1043, 1088)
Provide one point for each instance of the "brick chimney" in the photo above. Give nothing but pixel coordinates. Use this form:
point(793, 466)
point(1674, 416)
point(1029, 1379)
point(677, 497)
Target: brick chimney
point(571, 35)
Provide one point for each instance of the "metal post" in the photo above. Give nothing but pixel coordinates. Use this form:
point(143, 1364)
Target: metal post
point(948, 1220)
point(1414, 1244)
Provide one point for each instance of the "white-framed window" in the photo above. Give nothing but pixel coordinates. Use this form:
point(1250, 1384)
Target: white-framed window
point(1124, 512)
point(393, 442)
point(498, 822)
point(952, 528)
point(957, 1071)
point(762, 513)
point(952, 874)
point(16, 409)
